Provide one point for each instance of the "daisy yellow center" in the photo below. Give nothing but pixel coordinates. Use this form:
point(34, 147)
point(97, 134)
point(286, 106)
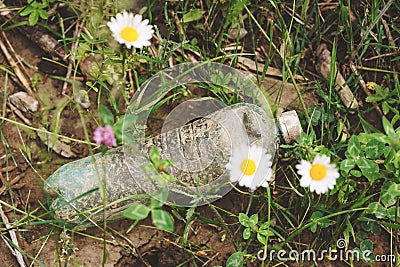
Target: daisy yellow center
point(129, 34)
point(248, 167)
point(318, 172)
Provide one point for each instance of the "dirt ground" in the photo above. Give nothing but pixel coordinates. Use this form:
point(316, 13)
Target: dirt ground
point(24, 155)
point(34, 163)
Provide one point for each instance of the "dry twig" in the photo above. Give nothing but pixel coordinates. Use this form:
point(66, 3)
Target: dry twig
point(34, 33)
point(394, 49)
point(19, 114)
point(5, 183)
point(324, 66)
point(258, 67)
point(364, 86)
point(179, 26)
point(14, 238)
point(71, 64)
point(6, 47)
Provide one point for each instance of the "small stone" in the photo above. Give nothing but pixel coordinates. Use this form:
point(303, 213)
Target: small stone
point(24, 102)
point(56, 145)
point(236, 31)
point(82, 98)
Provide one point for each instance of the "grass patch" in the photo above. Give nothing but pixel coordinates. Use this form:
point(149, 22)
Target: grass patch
point(88, 80)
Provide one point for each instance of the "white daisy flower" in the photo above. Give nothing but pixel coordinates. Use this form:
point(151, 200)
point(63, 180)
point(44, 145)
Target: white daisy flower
point(131, 30)
point(319, 175)
point(251, 166)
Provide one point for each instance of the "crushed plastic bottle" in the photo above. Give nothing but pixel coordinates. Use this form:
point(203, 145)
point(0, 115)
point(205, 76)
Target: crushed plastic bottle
point(75, 187)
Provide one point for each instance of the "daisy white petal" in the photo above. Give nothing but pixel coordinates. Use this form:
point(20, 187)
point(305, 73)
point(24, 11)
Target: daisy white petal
point(131, 30)
point(145, 22)
point(250, 166)
point(305, 181)
point(303, 167)
point(318, 176)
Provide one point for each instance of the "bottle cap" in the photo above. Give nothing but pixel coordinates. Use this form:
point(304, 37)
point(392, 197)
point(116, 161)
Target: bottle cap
point(289, 125)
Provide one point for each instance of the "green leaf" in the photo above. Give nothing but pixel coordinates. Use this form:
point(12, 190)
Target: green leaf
point(353, 148)
point(390, 195)
point(366, 245)
point(360, 236)
point(316, 218)
point(396, 162)
point(385, 108)
point(235, 260)
point(26, 11)
point(155, 203)
point(377, 209)
point(374, 149)
point(244, 219)
point(366, 253)
point(387, 126)
point(344, 193)
point(165, 164)
point(33, 18)
point(264, 232)
point(117, 127)
point(193, 15)
point(369, 169)
point(356, 173)
point(316, 113)
point(105, 115)
point(136, 212)
point(42, 5)
point(394, 141)
point(376, 229)
point(391, 213)
point(313, 228)
point(166, 177)
point(43, 14)
point(262, 236)
point(237, 8)
point(389, 154)
point(162, 220)
point(253, 220)
point(190, 213)
point(159, 198)
point(143, 10)
point(155, 156)
point(246, 233)
point(374, 98)
point(349, 230)
point(377, 136)
point(347, 164)
point(306, 140)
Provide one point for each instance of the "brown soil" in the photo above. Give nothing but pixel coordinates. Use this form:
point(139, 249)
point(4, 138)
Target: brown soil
point(35, 162)
point(44, 243)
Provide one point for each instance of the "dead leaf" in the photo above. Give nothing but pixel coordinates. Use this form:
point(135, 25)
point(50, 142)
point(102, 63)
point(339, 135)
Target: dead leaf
point(285, 94)
point(258, 67)
point(55, 144)
point(24, 102)
point(324, 66)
